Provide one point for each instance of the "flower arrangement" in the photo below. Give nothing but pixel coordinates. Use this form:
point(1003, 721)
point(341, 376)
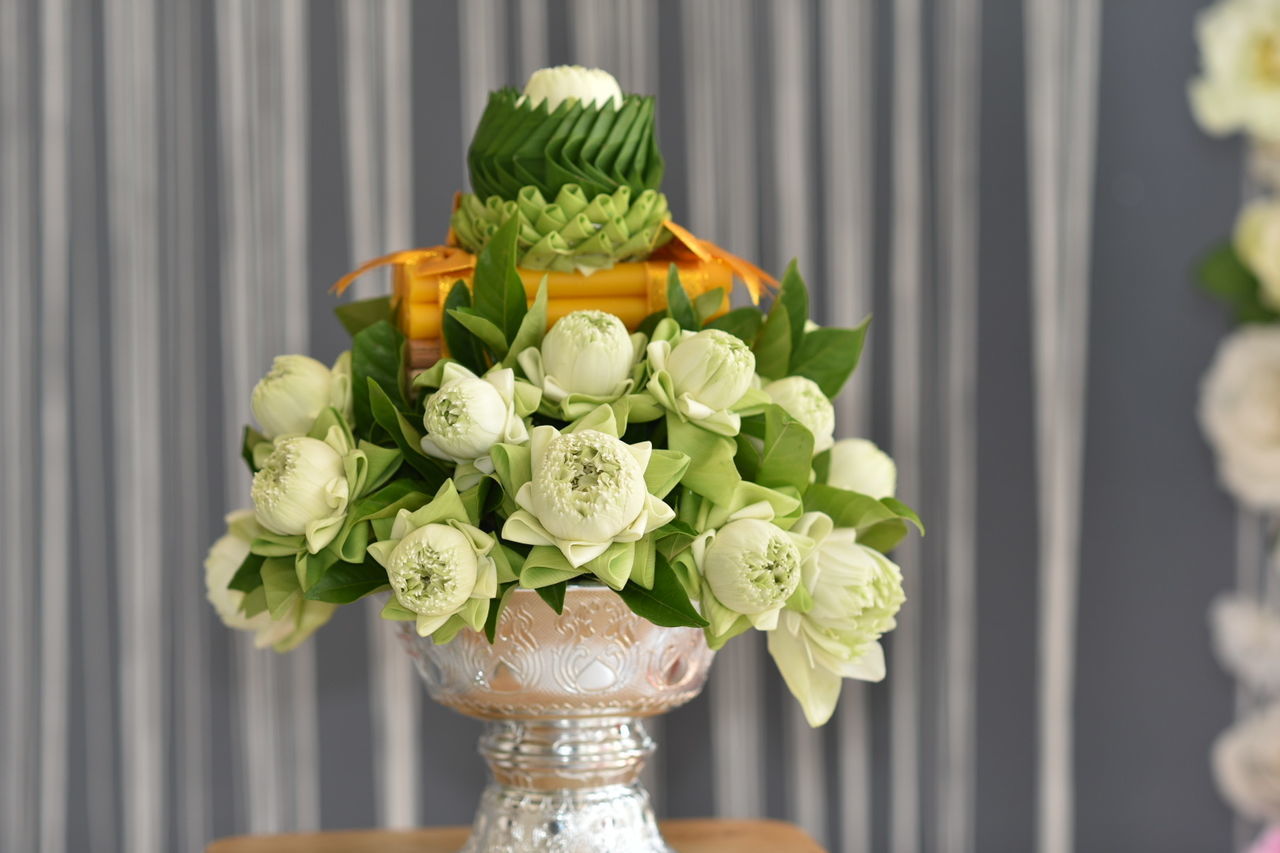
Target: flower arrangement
point(685, 461)
point(1239, 91)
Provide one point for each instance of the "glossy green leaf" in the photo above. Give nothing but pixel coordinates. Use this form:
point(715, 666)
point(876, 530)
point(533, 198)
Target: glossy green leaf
point(249, 576)
point(787, 457)
point(666, 604)
point(344, 583)
point(554, 595)
point(829, 356)
point(361, 314)
point(773, 346)
point(484, 330)
point(679, 308)
point(496, 286)
point(377, 354)
point(742, 323)
point(463, 346)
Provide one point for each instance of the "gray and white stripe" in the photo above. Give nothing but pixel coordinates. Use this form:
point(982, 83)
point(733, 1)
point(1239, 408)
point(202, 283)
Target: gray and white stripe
point(1062, 69)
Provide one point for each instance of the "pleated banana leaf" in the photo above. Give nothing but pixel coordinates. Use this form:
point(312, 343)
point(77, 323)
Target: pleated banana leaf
point(599, 149)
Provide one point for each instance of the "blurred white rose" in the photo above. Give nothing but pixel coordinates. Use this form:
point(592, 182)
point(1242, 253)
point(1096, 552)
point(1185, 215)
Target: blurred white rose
point(801, 398)
point(1246, 638)
point(1246, 764)
point(1239, 87)
point(301, 489)
point(586, 352)
point(859, 466)
point(1240, 414)
point(224, 558)
point(1257, 241)
point(572, 82)
point(291, 396)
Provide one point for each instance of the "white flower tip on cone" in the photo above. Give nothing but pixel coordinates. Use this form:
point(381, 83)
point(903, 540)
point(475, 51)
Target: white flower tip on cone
point(562, 83)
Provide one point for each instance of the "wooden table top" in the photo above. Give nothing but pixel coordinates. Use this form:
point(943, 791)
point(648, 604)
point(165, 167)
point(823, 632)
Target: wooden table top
point(686, 836)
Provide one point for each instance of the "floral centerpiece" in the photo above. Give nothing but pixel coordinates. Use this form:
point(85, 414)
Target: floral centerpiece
point(682, 461)
point(1239, 91)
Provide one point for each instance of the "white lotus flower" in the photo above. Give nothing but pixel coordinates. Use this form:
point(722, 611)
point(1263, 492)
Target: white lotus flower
point(468, 415)
point(340, 385)
point(586, 353)
point(587, 491)
point(571, 82)
point(225, 557)
point(859, 466)
point(291, 396)
point(302, 489)
point(1239, 88)
point(1246, 764)
point(1240, 414)
point(856, 593)
point(439, 570)
point(1257, 242)
point(1246, 638)
point(702, 376)
point(801, 398)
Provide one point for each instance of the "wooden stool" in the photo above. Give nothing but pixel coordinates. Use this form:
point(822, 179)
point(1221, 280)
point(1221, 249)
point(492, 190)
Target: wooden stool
point(686, 836)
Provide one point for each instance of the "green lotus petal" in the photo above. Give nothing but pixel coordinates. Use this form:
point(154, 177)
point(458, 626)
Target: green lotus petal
point(572, 232)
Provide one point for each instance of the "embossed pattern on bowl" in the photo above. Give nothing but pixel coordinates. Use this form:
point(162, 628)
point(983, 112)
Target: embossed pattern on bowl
point(596, 659)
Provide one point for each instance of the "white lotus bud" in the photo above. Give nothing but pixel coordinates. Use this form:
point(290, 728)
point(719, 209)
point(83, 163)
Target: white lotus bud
point(465, 418)
point(224, 558)
point(587, 486)
point(572, 82)
point(859, 466)
point(291, 396)
point(588, 352)
point(433, 570)
point(302, 480)
point(801, 398)
point(340, 385)
point(713, 367)
point(752, 566)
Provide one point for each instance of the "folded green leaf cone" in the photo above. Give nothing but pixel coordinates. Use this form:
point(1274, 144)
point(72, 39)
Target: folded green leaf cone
point(600, 149)
point(570, 233)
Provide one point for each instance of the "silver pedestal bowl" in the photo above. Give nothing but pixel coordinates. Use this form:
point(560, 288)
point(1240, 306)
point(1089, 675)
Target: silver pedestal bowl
point(564, 699)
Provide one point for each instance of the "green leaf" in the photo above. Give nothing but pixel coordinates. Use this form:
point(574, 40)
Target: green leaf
point(881, 524)
point(403, 493)
point(252, 438)
point(667, 604)
point(829, 356)
point(495, 610)
point(496, 286)
point(488, 333)
point(773, 347)
point(405, 435)
point(360, 315)
point(532, 327)
point(376, 355)
point(787, 457)
point(348, 582)
point(707, 304)
point(463, 346)
point(280, 582)
point(711, 473)
point(742, 323)
point(1223, 275)
point(554, 595)
point(794, 296)
point(249, 576)
point(679, 308)
point(648, 324)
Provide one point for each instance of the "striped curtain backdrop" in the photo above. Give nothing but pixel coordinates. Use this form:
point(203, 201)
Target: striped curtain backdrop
point(183, 179)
